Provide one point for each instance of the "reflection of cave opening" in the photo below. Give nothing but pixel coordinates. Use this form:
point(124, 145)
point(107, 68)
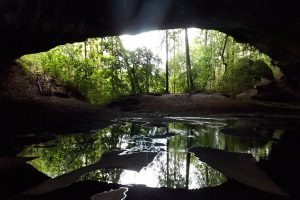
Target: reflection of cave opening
point(173, 167)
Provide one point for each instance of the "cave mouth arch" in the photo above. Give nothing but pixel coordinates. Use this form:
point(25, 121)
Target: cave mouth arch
point(34, 26)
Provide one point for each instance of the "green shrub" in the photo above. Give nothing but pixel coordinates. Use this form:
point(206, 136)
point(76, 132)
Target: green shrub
point(244, 75)
point(262, 70)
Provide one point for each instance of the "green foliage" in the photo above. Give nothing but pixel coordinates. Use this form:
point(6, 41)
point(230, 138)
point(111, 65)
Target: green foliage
point(202, 68)
point(244, 75)
point(262, 70)
point(209, 72)
point(101, 69)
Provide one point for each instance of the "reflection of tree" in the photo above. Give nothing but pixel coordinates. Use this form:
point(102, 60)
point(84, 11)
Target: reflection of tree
point(111, 138)
point(168, 158)
point(75, 151)
point(176, 167)
point(212, 137)
point(105, 175)
point(71, 152)
point(188, 157)
point(176, 171)
point(172, 174)
point(206, 176)
point(177, 162)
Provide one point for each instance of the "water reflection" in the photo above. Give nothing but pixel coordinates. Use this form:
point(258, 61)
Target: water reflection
point(174, 167)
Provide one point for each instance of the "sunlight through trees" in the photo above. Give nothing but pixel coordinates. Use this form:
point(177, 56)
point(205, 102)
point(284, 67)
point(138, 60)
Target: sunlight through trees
point(102, 69)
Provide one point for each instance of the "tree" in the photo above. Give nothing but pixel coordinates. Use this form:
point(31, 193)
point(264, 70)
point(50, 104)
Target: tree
point(190, 82)
point(222, 55)
point(167, 62)
point(101, 69)
point(174, 65)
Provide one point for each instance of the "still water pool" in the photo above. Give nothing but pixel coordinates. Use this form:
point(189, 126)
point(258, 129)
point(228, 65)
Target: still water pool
point(173, 166)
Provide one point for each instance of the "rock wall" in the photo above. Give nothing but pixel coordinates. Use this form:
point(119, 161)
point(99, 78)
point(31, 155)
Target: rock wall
point(28, 26)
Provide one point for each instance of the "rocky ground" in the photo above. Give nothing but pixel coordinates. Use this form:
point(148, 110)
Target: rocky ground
point(201, 105)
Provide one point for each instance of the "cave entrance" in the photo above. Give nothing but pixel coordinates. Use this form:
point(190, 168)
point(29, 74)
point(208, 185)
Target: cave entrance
point(187, 116)
point(173, 61)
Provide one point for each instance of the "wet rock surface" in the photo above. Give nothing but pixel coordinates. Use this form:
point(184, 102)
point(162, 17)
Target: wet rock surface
point(238, 166)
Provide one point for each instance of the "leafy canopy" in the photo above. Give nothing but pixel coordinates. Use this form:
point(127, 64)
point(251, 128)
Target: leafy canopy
point(101, 69)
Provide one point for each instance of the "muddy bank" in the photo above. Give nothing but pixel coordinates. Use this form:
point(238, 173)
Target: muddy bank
point(66, 115)
point(27, 122)
point(33, 103)
point(201, 105)
point(54, 115)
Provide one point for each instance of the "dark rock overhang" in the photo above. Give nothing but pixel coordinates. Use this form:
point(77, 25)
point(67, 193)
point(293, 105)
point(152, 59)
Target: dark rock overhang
point(28, 26)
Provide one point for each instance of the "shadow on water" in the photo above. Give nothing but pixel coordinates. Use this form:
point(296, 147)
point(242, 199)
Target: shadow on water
point(169, 139)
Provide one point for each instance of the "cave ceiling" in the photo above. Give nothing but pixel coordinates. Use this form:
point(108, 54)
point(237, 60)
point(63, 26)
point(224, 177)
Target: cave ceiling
point(28, 26)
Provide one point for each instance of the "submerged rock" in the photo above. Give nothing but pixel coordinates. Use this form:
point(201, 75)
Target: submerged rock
point(9, 162)
point(113, 159)
point(238, 166)
point(118, 194)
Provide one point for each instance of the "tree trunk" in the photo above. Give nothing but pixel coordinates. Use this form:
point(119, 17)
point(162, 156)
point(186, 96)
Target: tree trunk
point(205, 41)
point(167, 62)
point(212, 60)
point(188, 62)
point(130, 71)
point(206, 175)
point(136, 80)
point(174, 56)
point(85, 49)
point(222, 55)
